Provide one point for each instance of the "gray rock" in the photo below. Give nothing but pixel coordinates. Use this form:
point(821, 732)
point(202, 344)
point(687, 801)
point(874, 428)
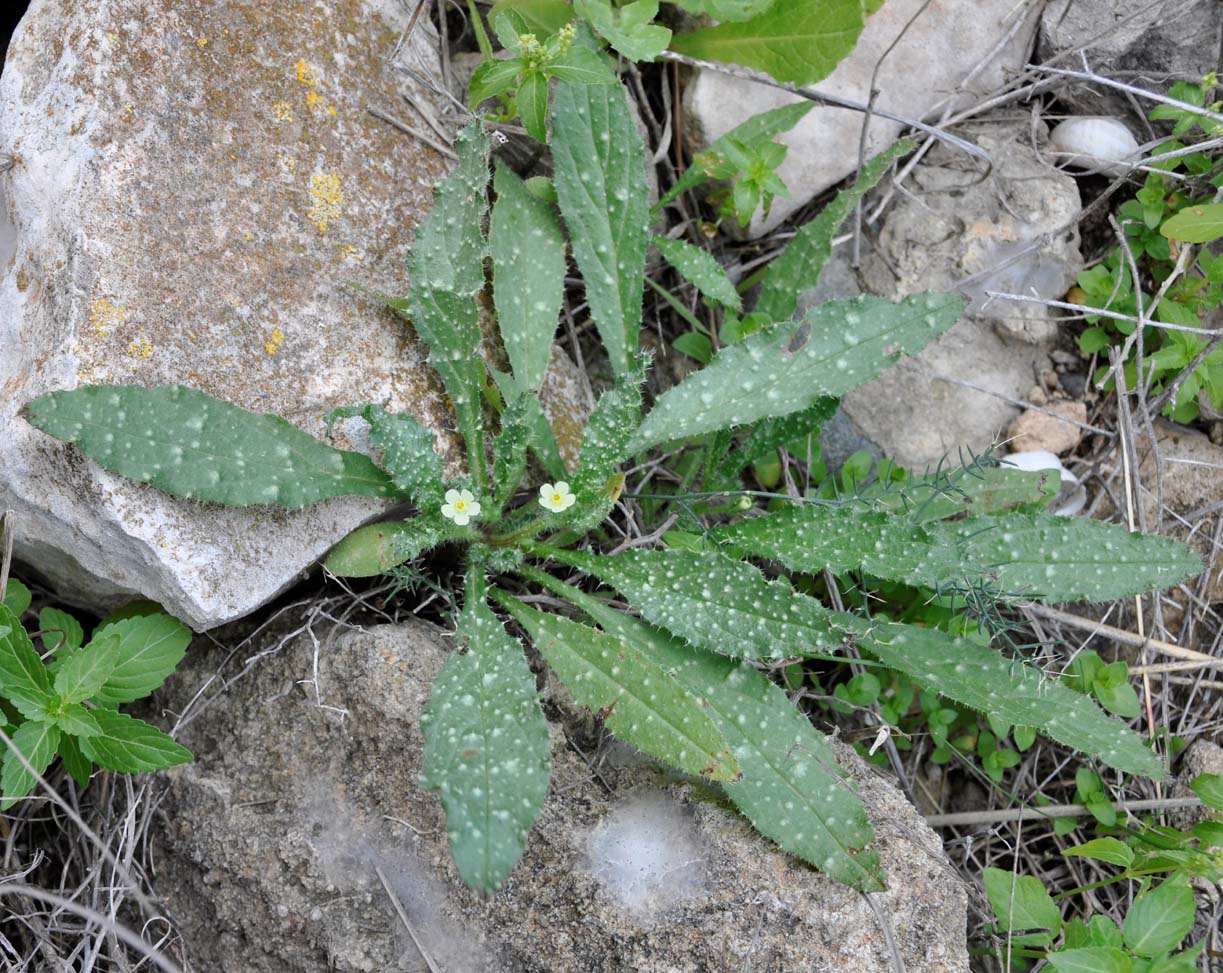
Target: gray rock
point(946, 58)
point(1202, 757)
point(303, 808)
point(1014, 233)
point(1149, 45)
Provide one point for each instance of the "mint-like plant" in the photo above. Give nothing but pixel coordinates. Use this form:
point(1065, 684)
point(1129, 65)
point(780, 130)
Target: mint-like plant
point(667, 644)
point(69, 704)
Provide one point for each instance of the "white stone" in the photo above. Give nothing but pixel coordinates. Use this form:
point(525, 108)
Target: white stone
point(946, 58)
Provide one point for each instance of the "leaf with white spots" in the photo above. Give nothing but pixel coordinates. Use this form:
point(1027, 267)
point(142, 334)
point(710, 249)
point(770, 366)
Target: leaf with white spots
point(789, 365)
point(769, 435)
point(1008, 690)
point(528, 251)
point(638, 701)
point(604, 448)
point(408, 455)
point(716, 602)
point(791, 788)
point(701, 270)
point(599, 163)
point(190, 445)
point(487, 749)
point(510, 449)
point(446, 276)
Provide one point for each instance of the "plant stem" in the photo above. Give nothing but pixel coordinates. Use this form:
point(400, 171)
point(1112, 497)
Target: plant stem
point(1015, 814)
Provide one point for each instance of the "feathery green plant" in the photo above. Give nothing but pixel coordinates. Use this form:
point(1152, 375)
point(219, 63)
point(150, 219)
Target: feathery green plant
point(665, 643)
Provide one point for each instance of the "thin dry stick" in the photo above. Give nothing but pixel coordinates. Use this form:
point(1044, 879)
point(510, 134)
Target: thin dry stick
point(1119, 634)
point(1008, 815)
point(403, 917)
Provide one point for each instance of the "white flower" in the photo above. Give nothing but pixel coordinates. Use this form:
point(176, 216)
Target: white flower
point(556, 497)
point(461, 506)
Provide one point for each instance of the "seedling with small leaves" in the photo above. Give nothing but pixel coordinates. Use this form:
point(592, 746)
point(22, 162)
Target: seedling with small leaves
point(666, 643)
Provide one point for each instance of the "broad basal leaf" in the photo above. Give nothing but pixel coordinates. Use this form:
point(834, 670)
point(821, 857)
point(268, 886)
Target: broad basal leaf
point(599, 162)
point(23, 678)
point(638, 701)
point(794, 40)
point(377, 548)
point(797, 269)
point(788, 366)
point(193, 446)
point(150, 647)
point(716, 602)
point(37, 741)
point(1008, 690)
point(407, 451)
point(131, 746)
point(791, 788)
point(528, 251)
point(487, 749)
point(700, 269)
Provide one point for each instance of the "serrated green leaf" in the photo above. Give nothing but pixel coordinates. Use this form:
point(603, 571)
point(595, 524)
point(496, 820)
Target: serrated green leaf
point(716, 602)
point(544, 17)
point(791, 790)
point(701, 270)
point(60, 630)
point(75, 762)
point(599, 163)
point(638, 701)
point(131, 746)
point(193, 446)
point(794, 40)
point(1008, 689)
point(377, 548)
point(628, 28)
point(84, 673)
point(23, 677)
point(1195, 224)
point(408, 453)
point(758, 128)
point(797, 269)
point(487, 749)
point(446, 270)
point(150, 647)
point(37, 741)
point(1091, 959)
point(1103, 849)
point(76, 720)
point(788, 366)
point(528, 251)
point(726, 11)
point(1209, 787)
point(1159, 919)
point(604, 448)
point(1020, 901)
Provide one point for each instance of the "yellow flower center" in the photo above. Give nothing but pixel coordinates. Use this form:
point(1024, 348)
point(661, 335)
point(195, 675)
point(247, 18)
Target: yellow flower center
point(460, 505)
point(556, 498)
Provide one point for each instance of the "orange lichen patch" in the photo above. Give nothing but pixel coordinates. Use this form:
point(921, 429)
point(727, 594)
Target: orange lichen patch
point(275, 340)
point(320, 104)
point(305, 74)
point(201, 42)
point(103, 315)
point(328, 199)
point(140, 348)
point(22, 280)
point(282, 111)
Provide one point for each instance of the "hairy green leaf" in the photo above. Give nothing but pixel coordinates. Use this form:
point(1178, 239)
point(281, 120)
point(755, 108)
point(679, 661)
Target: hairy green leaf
point(528, 250)
point(701, 269)
point(798, 267)
point(23, 678)
point(788, 366)
point(1006, 689)
point(791, 789)
point(978, 490)
point(60, 631)
point(600, 183)
point(716, 602)
point(131, 746)
point(604, 448)
point(150, 647)
point(37, 741)
point(446, 270)
point(1159, 919)
point(769, 435)
point(86, 671)
point(628, 28)
point(794, 40)
point(487, 749)
point(408, 455)
point(376, 548)
point(510, 450)
point(638, 701)
point(190, 445)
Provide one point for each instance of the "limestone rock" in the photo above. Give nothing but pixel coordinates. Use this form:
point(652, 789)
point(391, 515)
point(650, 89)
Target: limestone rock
point(1048, 429)
point(1146, 44)
point(1202, 757)
point(194, 189)
point(275, 838)
point(945, 58)
point(1010, 233)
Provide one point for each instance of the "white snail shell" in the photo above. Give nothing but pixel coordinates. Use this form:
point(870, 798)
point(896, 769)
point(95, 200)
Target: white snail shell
point(1096, 143)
